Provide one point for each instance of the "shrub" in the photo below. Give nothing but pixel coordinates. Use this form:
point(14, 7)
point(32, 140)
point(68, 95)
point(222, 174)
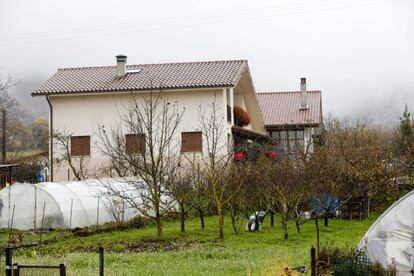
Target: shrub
point(329, 255)
point(335, 261)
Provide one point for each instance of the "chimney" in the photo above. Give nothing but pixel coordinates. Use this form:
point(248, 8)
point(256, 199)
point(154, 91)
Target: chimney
point(303, 94)
point(121, 61)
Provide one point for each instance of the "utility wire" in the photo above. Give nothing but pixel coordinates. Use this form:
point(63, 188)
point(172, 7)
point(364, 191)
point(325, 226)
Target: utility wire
point(183, 22)
point(170, 20)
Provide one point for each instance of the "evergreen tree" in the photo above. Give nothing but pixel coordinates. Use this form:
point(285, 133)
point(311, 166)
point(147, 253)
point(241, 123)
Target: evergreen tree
point(406, 131)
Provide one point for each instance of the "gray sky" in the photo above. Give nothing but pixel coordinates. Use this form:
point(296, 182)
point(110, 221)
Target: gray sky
point(360, 53)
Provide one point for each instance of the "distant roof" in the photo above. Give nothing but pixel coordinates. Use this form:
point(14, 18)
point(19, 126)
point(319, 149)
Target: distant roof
point(283, 108)
point(149, 76)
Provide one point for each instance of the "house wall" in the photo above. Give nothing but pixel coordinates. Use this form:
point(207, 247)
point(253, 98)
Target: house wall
point(82, 114)
point(245, 97)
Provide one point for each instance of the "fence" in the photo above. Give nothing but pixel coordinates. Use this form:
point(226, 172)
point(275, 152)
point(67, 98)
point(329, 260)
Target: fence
point(355, 264)
point(17, 269)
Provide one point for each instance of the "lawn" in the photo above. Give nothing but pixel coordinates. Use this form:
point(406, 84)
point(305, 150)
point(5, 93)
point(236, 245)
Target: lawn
point(138, 252)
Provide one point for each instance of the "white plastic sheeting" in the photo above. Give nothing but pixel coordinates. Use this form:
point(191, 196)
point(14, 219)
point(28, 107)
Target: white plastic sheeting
point(65, 205)
point(391, 236)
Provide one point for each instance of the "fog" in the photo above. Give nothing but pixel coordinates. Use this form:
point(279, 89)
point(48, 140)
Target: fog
point(360, 53)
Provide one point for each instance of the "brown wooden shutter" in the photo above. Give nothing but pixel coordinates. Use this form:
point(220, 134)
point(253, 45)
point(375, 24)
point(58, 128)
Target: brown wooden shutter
point(135, 143)
point(80, 145)
point(191, 141)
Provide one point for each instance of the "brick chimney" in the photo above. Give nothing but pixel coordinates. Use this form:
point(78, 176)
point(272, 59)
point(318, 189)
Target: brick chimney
point(304, 104)
point(121, 61)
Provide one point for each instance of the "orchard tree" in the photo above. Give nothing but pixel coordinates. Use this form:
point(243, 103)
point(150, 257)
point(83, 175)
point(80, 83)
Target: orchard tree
point(359, 155)
point(180, 188)
point(286, 190)
point(217, 166)
point(144, 144)
point(199, 197)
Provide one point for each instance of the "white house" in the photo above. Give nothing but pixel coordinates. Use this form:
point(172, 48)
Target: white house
point(293, 119)
point(82, 98)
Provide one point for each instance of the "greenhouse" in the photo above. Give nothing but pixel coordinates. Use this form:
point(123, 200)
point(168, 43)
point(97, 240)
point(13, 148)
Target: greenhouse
point(390, 238)
point(66, 205)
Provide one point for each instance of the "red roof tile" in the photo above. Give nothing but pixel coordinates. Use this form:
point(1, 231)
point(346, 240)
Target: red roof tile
point(283, 108)
point(151, 76)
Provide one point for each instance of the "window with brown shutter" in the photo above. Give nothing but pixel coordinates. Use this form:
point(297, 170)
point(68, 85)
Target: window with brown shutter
point(135, 143)
point(191, 141)
point(80, 145)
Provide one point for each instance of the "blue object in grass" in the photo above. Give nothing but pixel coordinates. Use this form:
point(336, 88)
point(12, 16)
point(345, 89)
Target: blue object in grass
point(325, 204)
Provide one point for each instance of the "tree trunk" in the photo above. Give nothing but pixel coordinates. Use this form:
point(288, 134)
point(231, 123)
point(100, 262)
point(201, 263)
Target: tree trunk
point(201, 214)
point(233, 215)
point(317, 235)
point(297, 226)
point(272, 219)
point(285, 225)
point(159, 226)
point(182, 217)
point(326, 218)
point(221, 222)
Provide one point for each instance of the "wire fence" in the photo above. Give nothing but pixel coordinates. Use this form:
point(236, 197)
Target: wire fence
point(15, 264)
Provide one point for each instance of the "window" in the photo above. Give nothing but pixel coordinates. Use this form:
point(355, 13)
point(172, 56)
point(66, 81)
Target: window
point(135, 143)
point(289, 142)
point(80, 145)
point(191, 142)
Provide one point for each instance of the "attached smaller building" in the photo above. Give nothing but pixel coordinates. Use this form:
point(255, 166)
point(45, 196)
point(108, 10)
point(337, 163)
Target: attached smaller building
point(293, 119)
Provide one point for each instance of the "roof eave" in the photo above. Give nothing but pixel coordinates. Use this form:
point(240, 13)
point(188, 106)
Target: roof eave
point(110, 91)
point(280, 126)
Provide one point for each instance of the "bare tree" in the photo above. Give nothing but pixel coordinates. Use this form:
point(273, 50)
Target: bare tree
point(180, 188)
point(199, 198)
point(115, 206)
point(218, 164)
point(150, 154)
point(9, 115)
point(79, 165)
point(286, 189)
point(245, 180)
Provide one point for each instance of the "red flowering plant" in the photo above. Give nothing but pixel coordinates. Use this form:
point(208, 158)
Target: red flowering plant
point(272, 155)
point(241, 118)
point(239, 156)
point(240, 152)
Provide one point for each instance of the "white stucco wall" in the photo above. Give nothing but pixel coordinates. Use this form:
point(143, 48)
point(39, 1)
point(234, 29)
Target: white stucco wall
point(81, 114)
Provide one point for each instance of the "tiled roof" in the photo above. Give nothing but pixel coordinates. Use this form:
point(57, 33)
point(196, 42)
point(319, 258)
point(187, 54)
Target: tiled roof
point(283, 108)
point(150, 76)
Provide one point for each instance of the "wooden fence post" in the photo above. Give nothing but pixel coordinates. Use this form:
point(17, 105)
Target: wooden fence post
point(9, 261)
point(272, 219)
point(16, 270)
point(62, 270)
point(313, 261)
point(101, 261)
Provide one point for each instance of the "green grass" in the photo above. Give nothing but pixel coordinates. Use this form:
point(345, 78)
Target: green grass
point(199, 252)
